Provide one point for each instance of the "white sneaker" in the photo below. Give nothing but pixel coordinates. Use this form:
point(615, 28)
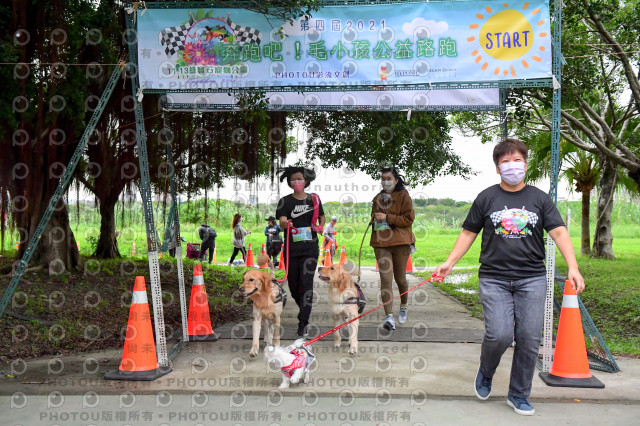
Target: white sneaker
point(403, 315)
point(389, 323)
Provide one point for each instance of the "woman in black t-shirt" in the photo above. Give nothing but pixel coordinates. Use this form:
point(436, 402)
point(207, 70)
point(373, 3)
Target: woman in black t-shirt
point(302, 242)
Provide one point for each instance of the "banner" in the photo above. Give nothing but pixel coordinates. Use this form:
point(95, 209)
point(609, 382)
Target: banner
point(353, 45)
point(396, 100)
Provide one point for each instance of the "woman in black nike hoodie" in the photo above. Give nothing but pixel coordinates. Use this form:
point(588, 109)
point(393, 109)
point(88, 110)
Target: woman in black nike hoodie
point(301, 211)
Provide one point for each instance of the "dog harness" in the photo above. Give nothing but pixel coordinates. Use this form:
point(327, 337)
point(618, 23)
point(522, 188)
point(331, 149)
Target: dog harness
point(282, 294)
point(359, 299)
point(303, 359)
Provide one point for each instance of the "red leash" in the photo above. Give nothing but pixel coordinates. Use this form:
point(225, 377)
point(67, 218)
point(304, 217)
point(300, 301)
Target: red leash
point(286, 266)
point(434, 277)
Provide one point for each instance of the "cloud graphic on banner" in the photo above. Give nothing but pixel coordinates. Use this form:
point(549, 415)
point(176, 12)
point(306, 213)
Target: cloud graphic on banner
point(421, 23)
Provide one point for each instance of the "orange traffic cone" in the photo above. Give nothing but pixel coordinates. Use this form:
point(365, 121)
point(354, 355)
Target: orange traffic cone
point(377, 269)
point(249, 261)
point(139, 361)
point(199, 319)
point(281, 265)
point(264, 252)
point(570, 363)
point(409, 265)
point(343, 256)
point(327, 258)
point(214, 255)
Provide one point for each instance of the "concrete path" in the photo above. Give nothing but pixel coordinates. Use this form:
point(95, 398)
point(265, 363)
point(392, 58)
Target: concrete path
point(421, 373)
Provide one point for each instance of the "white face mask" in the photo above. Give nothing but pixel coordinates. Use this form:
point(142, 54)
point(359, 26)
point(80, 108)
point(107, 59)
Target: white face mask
point(388, 185)
point(512, 172)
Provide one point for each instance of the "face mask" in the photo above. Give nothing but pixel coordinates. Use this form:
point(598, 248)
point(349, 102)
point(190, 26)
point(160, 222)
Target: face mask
point(388, 185)
point(512, 172)
point(297, 185)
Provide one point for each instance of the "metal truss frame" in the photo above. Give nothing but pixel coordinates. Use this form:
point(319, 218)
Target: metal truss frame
point(173, 234)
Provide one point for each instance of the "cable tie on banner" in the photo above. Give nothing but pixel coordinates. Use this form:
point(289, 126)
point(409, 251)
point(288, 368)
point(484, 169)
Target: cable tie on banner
point(144, 4)
point(139, 93)
point(409, 114)
point(430, 86)
point(556, 83)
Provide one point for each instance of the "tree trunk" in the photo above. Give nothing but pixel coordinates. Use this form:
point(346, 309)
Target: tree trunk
point(57, 249)
point(107, 247)
point(585, 242)
point(603, 238)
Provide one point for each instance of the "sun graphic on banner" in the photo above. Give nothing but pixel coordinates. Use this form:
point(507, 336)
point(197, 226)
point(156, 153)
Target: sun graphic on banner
point(507, 38)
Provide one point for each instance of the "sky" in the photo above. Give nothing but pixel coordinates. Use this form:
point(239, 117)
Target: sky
point(340, 185)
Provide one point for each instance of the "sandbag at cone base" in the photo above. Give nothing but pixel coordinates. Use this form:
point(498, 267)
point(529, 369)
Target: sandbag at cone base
point(570, 363)
point(139, 361)
point(199, 318)
point(555, 381)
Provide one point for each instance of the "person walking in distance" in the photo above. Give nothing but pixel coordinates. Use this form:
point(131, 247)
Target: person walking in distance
point(512, 275)
point(238, 238)
point(330, 236)
point(274, 241)
point(208, 236)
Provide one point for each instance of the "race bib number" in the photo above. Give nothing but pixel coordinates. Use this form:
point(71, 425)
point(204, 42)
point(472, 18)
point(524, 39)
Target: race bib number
point(380, 226)
point(303, 234)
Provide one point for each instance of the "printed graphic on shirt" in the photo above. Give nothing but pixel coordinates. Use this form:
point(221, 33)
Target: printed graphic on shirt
point(514, 223)
point(300, 209)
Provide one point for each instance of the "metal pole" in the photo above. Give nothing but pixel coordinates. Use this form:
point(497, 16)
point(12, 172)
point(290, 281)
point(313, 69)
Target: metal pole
point(147, 204)
point(547, 347)
point(176, 241)
point(504, 123)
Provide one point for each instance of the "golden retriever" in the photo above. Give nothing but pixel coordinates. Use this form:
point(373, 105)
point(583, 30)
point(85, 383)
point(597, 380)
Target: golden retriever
point(341, 290)
point(268, 301)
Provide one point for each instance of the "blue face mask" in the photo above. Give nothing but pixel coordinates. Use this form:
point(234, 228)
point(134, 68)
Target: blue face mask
point(512, 172)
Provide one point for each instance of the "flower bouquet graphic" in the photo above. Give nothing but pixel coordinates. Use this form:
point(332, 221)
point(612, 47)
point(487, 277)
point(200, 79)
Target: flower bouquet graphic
point(207, 40)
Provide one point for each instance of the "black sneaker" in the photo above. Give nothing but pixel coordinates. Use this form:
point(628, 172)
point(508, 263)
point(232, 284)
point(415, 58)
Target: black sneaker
point(303, 331)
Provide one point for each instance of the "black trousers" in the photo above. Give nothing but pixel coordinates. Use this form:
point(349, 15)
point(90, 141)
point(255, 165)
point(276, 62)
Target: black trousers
point(207, 245)
point(300, 278)
point(237, 250)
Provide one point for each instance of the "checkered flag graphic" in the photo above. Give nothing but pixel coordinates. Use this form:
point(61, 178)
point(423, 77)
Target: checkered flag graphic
point(244, 34)
point(496, 217)
point(172, 38)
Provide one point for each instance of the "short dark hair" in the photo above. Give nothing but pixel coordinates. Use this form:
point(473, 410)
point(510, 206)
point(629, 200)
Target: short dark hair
point(509, 146)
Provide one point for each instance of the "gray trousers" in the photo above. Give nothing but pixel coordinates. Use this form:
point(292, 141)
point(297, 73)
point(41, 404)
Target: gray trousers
point(513, 310)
